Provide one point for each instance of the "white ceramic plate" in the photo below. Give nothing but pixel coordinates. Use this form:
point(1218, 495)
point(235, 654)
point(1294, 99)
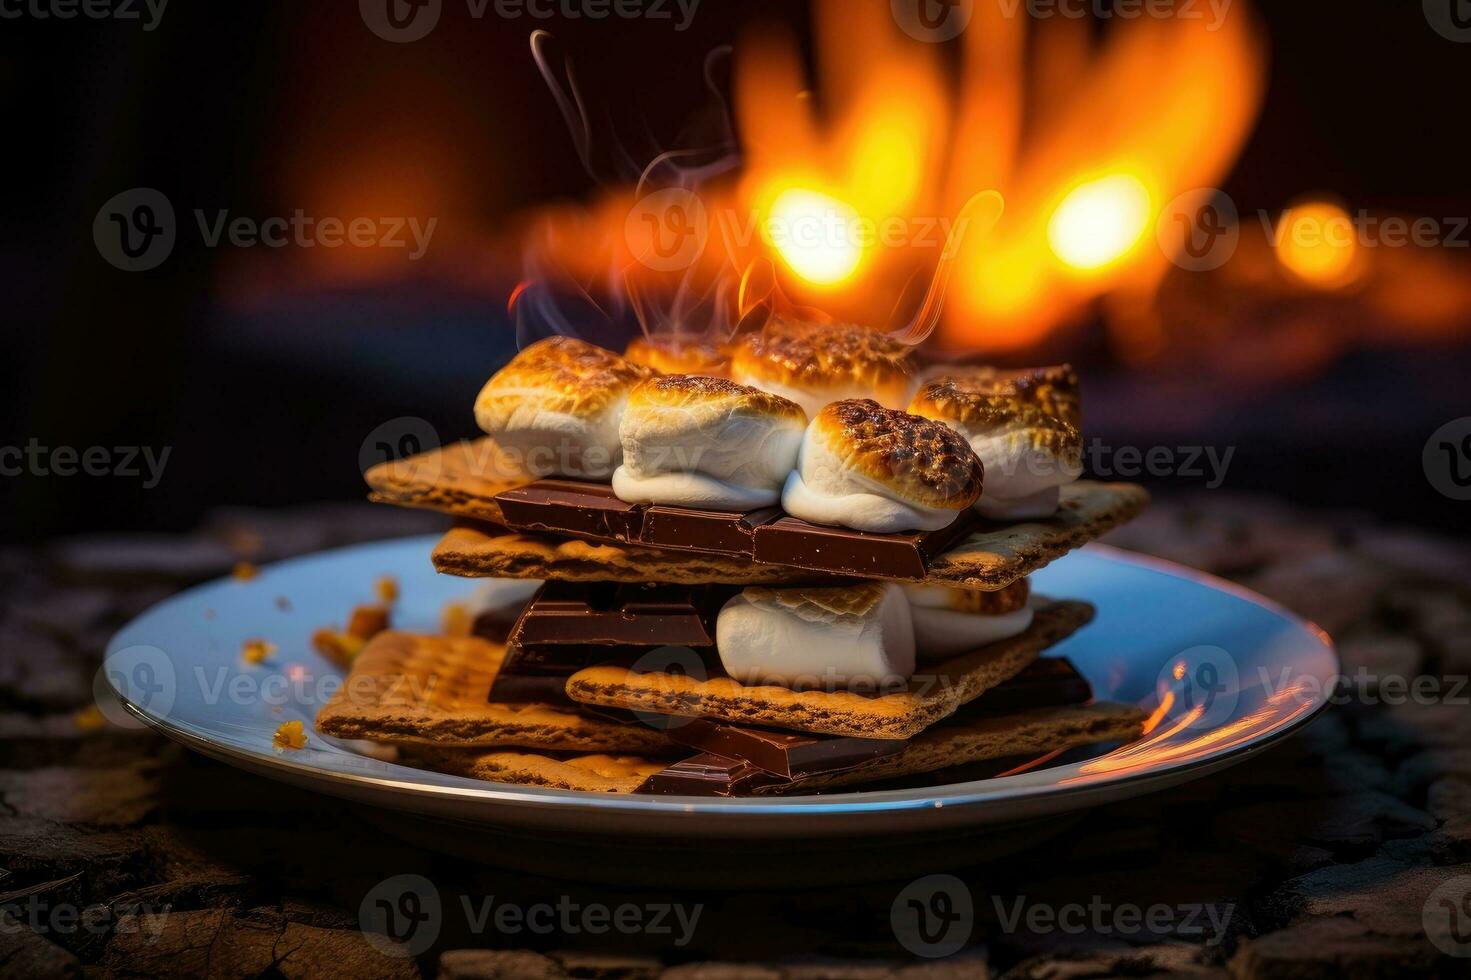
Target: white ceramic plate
point(1226, 672)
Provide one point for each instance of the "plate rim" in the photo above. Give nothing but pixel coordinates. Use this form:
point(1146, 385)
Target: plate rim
point(970, 795)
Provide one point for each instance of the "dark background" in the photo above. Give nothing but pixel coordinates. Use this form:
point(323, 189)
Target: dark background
point(266, 392)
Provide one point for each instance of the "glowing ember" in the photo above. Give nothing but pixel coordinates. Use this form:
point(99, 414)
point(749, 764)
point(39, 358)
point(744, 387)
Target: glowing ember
point(1319, 244)
point(1100, 222)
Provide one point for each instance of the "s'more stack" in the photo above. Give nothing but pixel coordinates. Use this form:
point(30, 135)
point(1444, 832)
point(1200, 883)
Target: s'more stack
point(792, 562)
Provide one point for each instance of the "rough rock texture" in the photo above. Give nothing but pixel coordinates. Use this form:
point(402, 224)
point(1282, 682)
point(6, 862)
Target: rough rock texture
point(1344, 852)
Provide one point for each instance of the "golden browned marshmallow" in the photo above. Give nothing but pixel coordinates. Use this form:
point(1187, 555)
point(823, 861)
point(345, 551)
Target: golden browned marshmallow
point(1053, 389)
point(693, 441)
point(674, 355)
point(817, 364)
point(557, 405)
point(871, 468)
point(1028, 452)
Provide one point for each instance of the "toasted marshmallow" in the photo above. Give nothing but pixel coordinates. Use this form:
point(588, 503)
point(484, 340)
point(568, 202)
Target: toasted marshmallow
point(706, 442)
point(948, 622)
point(557, 406)
point(817, 364)
point(675, 355)
point(870, 468)
point(1028, 453)
point(856, 637)
point(1052, 389)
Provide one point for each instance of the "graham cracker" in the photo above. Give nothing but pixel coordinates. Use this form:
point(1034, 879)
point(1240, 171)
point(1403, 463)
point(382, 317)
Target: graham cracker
point(992, 558)
point(461, 479)
point(599, 773)
point(1030, 733)
point(408, 687)
point(929, 697)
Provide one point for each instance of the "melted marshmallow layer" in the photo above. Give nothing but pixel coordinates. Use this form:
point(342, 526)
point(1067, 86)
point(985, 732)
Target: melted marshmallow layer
point(827, 490)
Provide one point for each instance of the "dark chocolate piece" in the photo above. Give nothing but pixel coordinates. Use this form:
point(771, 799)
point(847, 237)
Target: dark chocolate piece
point(791, 755)
point(707, 774)
point(575, 507)
point(690, 529)
point(590, 510)
point(579, 614)
point(843, 551)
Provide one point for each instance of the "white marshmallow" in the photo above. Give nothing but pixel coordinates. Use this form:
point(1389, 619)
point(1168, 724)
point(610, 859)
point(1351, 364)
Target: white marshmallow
point(943, 633)
point(702, 442)
point(1016, 468)
point(559, 444)
point(690, 490)
point(824, 489)
point(857, 638)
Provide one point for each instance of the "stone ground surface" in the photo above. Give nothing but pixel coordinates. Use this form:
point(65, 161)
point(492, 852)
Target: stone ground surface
point(1337, 854)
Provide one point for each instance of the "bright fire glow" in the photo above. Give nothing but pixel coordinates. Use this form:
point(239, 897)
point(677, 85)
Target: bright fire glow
point(816, 235)
point(1100, 222)
point(1319, 244)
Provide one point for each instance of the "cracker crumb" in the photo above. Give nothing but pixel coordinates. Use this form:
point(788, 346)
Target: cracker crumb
point(340, 648)
point(455, 619)
point(257, 651)
point(283, 603)
point(291, 735)
point(244, 571)
point(90, 719)
point(367, 621)
point(387, 589)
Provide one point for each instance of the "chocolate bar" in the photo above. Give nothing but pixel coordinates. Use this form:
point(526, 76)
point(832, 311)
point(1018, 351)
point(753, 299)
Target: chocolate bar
point(568, 626)
point(790, 755)
point(590, 510)
point(707, 774)
point(794, 542)
point(611, 614)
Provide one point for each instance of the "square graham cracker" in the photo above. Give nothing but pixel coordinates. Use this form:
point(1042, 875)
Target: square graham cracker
point(992, 558)
point(461, 479)
point(1028, 733)
point(934, 693)
point(408, 687)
